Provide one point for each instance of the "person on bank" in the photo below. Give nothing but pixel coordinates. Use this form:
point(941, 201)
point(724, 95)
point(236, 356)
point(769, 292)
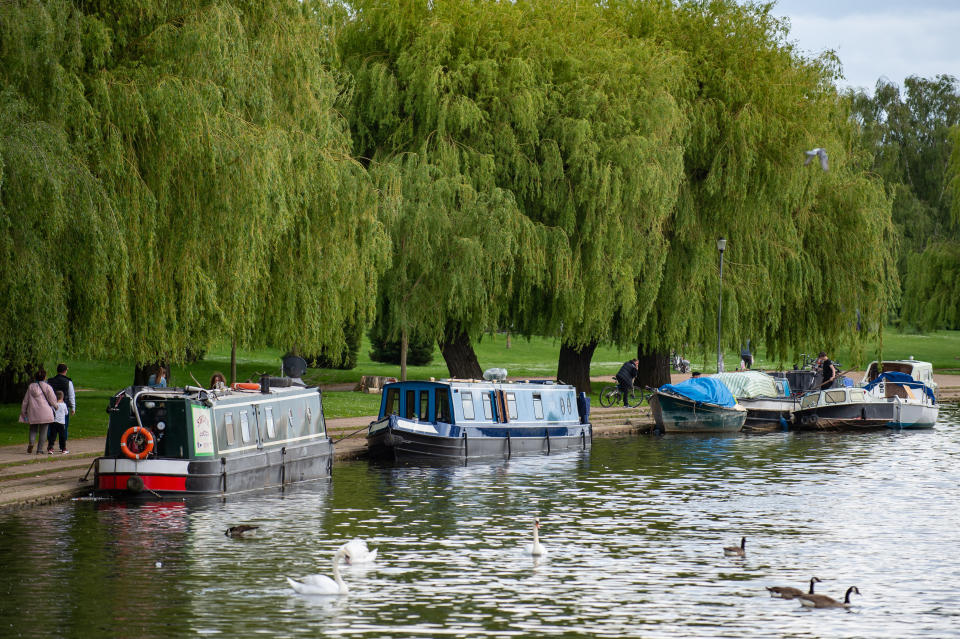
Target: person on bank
point(37, 409)
point(60, 382)
point(57, 426)
point(625, 376)
point(746, 357)
point(828, 370)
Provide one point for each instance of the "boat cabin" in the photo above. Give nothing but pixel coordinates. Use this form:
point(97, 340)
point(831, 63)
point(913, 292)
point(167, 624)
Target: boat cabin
point(834, 396)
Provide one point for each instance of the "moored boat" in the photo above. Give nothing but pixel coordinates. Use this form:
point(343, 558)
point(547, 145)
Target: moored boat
point(470, 419)
point(842, 409)
point(768, 399)
point(697, 405)
point(166, 442)
point(914, 402)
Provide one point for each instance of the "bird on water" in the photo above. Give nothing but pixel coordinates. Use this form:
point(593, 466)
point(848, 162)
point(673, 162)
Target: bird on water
point(243, 530)
point(789, 592)
point(736, 551)
point(823, 601)
point(321, 584)
point(356, 552)
point(536, 548)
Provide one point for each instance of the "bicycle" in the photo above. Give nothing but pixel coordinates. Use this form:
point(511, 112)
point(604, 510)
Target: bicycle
point(613, 396)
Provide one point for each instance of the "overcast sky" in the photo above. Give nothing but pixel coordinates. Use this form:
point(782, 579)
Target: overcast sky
point(874, 38)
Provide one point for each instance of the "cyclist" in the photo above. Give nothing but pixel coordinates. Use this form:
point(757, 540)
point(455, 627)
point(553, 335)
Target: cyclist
point(625, 376)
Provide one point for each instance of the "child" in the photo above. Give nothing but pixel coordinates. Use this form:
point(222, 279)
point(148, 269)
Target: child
point(58, 426)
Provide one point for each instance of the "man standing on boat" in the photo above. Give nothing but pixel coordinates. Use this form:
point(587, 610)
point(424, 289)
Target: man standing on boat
point(625, 376)
point(828, 369)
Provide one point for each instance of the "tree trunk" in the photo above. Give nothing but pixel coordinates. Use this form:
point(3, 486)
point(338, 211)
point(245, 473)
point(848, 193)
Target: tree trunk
point(508, 340)
point(233, 362)
point(404, 345)
point(459, 355)
point(573, 366)
point(141, 373)
point(654, 367)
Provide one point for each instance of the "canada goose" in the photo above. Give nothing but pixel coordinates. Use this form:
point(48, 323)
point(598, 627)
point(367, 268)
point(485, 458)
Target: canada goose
point(789, 592)
point(536, 548)
point(734, 551)
point(242, 530)
point(321, 584)
point(356, 552)
point(823, 601)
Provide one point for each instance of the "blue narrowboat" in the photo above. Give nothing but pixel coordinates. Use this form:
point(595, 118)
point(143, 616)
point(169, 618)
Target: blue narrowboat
point(469, 419)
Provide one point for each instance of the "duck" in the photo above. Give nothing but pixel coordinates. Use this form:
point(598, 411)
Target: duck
point(536, 548)
point(356, 552)
point(823, 601)
point(789, 592)
point(736, 551)
point(321, 584)
point(243, 530)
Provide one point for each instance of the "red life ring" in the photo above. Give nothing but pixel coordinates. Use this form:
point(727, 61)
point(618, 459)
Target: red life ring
point(147, 446)
point(246, 386)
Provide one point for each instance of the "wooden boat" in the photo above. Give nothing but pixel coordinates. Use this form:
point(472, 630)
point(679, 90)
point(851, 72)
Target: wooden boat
point(470, 419)
point(768, 399)
point(914, 402)
point(697, 405)
point(192, 441)
point(842, 409)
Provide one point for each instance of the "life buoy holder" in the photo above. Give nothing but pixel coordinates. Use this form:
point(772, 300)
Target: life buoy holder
point(147, 446)
point(246, 386)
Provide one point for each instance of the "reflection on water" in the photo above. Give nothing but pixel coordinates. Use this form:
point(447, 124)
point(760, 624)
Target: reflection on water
point(634, 531)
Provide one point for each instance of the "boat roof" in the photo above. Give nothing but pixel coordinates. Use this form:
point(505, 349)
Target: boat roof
point(484, 384)
point(217, 396)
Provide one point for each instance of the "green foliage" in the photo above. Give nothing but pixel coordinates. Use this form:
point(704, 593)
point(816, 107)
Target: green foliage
point(932, 299)
point(387, 351)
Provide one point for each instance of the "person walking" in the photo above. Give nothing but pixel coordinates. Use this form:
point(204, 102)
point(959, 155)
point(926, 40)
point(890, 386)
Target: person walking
point(37, 409)
point(60, 382)
point(746, 357)
point(57, 427)
point(828, 370)
point(625, 376)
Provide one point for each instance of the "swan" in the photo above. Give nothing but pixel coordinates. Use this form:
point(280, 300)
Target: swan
point(823, 601)
point(321, 584)
point(356, 552)
point(536, 548)
point(789, 592)
point(735, 551)
point(240, 531)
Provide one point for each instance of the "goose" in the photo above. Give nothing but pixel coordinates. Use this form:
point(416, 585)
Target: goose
point(321, 584)
point(536, 548)
point(356, 552)
point(242, 530)
point(789, 592)
point(823, 601)
point(736, 551)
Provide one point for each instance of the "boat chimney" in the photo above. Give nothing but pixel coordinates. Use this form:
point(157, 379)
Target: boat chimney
point(264, 383)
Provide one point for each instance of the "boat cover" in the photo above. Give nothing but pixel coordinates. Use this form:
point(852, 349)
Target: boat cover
point(749, 384)
point(703, 389)
point(902, 379)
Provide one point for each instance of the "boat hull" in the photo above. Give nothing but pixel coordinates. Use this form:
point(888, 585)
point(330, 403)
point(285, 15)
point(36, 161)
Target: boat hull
point(394, 438)
point(677, 414)
point(846, 416)
point(910, 415)
point(768, 413)
point(266, 468)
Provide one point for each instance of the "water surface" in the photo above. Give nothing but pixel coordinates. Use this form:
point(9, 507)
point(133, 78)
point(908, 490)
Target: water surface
point(634, 531)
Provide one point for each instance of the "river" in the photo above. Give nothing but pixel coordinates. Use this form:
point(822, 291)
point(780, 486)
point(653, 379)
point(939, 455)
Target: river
point(634, 531)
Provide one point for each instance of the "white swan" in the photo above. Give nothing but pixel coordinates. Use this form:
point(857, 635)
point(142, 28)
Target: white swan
point(356, 552)
point(321, 584)
point(536, 548)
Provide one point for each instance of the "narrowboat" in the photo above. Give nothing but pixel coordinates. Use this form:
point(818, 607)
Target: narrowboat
point(697, 405)
point(849, 408)
point(464, 420)
point(768, 399)
point(165, 442)
point(914, 402)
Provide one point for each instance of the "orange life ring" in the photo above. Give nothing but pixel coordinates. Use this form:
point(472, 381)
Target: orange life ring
point(147, 447)
point(246, 386)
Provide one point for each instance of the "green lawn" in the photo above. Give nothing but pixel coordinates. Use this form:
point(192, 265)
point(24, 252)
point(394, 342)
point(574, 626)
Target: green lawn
point(96, 381)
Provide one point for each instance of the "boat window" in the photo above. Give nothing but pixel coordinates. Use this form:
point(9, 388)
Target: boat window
point(809, 401)
point(228, 428)
point(836, 396)
point(245, 426)
point(443, 405)
point(512, 405)
point(858, 395)
point(410, 410)
point(537, 406)
point(487, 406)
point(466, 400)
point(424, 406)
point(271, 426)
point(393, 402)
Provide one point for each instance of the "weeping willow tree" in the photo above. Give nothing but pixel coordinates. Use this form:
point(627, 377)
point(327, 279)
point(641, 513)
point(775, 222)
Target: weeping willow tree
point(568, 141)
point(217, 193)
point(806, 249)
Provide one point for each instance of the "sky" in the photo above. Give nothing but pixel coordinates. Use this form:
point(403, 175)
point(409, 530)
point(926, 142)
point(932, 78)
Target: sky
point(879, 38)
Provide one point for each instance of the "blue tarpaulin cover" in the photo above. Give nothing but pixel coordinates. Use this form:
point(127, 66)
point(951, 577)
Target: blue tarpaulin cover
point(703, 389)
point(903, 379)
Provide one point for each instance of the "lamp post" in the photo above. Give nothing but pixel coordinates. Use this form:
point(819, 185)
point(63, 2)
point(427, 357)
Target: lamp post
point(721, 246)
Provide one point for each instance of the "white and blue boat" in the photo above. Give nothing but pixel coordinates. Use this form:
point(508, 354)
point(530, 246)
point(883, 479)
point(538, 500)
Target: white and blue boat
point(470, 419)
point(912, 403)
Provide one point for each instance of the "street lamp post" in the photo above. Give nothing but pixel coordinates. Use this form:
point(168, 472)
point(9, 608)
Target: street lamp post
point(721, 246)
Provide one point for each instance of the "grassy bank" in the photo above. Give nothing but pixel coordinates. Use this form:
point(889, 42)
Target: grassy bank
point(97, 381)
